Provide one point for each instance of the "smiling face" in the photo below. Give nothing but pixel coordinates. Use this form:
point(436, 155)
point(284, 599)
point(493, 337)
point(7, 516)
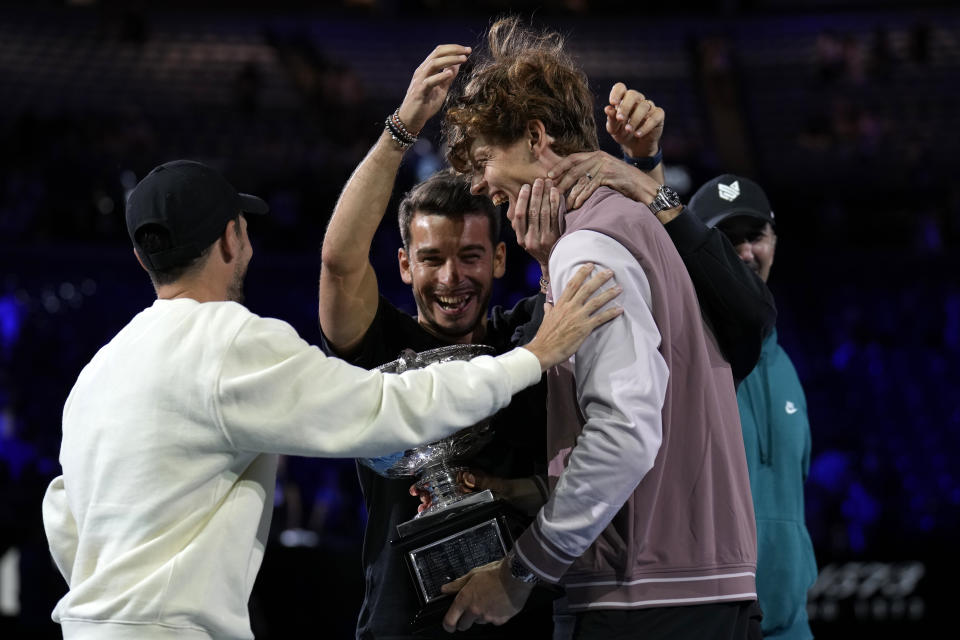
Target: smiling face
point(500, 170)
point(451, 264)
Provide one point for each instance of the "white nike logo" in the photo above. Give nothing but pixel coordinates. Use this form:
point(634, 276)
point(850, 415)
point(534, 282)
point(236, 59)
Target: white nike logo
point(790, 408)
point(729, 192)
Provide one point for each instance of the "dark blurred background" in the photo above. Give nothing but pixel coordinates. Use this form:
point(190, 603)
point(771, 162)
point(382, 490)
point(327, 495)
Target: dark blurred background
point(846, 112)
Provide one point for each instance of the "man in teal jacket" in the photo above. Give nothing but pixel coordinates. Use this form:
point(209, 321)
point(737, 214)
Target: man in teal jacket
point(773, 414)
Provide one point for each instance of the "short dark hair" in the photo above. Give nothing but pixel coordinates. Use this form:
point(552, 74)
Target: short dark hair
point(154, 238)
point(446, 194)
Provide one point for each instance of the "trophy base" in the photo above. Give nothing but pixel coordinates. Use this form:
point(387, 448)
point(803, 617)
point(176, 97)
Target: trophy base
point(472, 536)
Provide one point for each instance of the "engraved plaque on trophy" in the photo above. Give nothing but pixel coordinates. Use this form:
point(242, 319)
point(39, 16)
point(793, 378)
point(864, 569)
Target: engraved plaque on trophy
point(459, 531)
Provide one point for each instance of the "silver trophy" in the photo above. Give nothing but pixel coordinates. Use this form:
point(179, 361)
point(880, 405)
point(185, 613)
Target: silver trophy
point(459, 530)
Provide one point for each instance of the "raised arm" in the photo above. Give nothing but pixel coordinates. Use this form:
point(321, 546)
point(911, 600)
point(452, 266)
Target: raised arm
point(348, 284)
point(736, 303)
point(636, 123)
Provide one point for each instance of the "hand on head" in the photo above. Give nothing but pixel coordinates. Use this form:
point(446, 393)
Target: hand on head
point(430, 84)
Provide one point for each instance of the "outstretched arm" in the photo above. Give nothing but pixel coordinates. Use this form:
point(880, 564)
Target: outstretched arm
point(348, 284)
point(333, 409)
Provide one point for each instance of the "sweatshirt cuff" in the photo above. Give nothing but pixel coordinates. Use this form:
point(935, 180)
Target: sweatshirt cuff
point(540, 556)
point(687, 231)
point(523, 369)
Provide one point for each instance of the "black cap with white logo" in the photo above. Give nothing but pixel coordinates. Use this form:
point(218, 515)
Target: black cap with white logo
point(193, 202)
point(727, 196)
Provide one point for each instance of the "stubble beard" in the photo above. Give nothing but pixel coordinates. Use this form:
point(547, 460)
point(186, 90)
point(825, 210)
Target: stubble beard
point(235, 290)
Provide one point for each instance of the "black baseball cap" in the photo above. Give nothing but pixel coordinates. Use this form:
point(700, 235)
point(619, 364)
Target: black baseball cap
point(727, 196)
point(193, 202)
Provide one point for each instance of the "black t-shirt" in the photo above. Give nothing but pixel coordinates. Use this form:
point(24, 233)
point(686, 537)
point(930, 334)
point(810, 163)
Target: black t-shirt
point(517, 449)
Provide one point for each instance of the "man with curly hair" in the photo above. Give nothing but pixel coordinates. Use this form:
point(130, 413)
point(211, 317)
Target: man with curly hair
point(649, 526)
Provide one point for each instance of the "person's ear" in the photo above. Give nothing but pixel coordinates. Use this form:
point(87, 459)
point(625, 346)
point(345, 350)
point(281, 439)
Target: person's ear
point(230, 242)
point(499, 260)
point(404, 261)
point(538, 137)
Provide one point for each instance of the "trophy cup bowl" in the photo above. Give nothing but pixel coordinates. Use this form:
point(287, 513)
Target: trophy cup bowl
point(458, 531)
point(433, 464)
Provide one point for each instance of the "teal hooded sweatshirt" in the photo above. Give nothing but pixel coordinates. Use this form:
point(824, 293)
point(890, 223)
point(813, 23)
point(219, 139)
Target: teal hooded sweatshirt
point(776, 434)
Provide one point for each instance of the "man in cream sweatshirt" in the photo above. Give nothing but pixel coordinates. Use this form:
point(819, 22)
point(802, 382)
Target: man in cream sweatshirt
point(171, 433)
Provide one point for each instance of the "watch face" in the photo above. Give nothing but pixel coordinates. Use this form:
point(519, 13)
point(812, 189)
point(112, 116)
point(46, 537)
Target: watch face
point(519, 571)
point(671, 196)
point(666, 198)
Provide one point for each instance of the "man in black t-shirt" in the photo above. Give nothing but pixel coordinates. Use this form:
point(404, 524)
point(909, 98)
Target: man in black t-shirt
point(450, 256)
point(456, 260)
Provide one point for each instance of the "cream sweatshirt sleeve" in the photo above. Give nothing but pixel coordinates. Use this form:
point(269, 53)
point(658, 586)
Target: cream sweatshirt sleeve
point(278, 394)
point(60, 527)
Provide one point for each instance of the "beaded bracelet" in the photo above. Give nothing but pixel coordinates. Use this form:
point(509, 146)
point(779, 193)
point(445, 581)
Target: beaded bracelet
point(398, 131)
point(397, 121)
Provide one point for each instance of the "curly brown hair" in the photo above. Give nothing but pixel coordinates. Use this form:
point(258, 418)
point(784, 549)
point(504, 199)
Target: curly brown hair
point(524, 76)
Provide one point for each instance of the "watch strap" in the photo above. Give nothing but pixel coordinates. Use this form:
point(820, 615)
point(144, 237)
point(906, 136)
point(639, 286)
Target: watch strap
point(519, 570)
point(645, 164)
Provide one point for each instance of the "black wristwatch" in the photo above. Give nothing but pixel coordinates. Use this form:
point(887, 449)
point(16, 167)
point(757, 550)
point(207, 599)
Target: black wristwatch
point(666, 198)
point(519, 570)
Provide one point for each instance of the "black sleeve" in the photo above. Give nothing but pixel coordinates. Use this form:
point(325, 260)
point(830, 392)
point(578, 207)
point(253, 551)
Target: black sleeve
point(390, 332)
point(521, 323)
point(735, 302)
